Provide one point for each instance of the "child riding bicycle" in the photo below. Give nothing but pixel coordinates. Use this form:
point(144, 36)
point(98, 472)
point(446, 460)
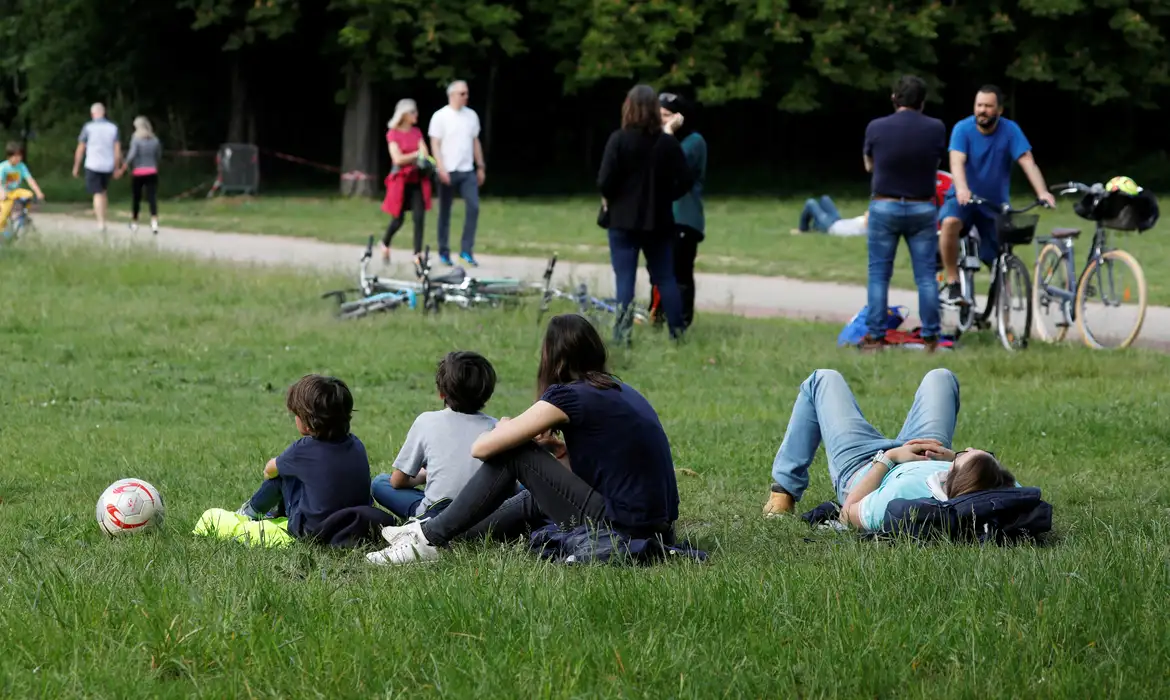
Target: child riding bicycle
point(13, 172)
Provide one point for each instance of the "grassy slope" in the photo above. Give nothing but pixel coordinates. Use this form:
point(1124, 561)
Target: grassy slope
point(744, 235)
point(127, 364)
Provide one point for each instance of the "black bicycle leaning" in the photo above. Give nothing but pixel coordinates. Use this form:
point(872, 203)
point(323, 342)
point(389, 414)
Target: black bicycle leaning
point(1009, 299)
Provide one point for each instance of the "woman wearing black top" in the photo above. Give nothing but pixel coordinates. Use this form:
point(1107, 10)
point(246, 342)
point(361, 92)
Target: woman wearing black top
point(643, 171)
point(614, 467)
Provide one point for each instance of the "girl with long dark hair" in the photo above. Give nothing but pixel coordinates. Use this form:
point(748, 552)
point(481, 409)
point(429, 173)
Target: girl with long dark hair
point(613, 469)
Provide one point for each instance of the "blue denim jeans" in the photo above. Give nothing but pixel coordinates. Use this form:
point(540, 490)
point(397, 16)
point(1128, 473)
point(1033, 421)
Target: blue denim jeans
point(819, 214)
point(918, 223)
point(401, 502)
point(465, 184)
point(826, 411)
point(624, 247)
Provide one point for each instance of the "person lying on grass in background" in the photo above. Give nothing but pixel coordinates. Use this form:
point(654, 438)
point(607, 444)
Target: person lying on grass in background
point(437, 451)
point(323, 472)
point(868, 470)
point(13, 174)
point(621, 474)
point(822, 215)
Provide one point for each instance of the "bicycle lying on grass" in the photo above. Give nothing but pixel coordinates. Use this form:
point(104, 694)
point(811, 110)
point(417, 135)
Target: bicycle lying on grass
point(1009, 299)
point(376, 294)
point(20, 223)
point(587, 305)
point(1109, 279)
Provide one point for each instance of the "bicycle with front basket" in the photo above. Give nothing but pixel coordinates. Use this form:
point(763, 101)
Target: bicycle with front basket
point(1110, 278)
point(1009, 299)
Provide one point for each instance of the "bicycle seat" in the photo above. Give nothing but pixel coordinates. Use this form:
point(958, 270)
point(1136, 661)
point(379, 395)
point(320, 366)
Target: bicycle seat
point(455, 276)
point(1065, 232)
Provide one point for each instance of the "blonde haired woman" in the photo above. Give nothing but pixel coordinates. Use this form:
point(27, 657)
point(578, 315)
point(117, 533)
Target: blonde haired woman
point(145, 153)
point(407, 181)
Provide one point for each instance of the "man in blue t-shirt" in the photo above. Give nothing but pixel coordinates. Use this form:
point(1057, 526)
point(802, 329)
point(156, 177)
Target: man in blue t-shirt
point(983, 148)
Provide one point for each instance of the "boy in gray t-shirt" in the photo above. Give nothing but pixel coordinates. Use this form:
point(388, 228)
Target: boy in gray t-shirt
point(437, 451)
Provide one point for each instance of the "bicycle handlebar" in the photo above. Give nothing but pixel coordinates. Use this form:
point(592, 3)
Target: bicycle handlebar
point(369, 249)
point(1077, 188)
point(1006, 208)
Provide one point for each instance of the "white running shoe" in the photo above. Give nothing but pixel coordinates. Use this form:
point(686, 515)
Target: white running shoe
point(133, 227)
point(409, 546)
point(391, 533)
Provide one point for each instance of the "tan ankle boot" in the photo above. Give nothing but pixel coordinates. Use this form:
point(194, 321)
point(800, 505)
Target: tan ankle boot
point(779, 503)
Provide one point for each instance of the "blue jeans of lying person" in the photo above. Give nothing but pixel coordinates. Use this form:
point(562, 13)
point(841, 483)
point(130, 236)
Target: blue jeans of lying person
point(890, 221)
point(819, 214)
point(826, 411)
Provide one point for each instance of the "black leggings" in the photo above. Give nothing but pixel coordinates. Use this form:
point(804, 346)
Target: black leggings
point(552, 491)
point(412, 194)
point(149, 183)
point(686, 249)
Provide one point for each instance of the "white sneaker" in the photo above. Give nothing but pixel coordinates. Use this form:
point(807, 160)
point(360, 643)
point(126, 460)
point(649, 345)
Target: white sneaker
point(133, 227)
point(391, 533)
point(410, 547)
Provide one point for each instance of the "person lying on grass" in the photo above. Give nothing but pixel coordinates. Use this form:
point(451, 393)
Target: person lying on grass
point(867, 469)
point(437, 451)
point(323, 472)
point(621, 474)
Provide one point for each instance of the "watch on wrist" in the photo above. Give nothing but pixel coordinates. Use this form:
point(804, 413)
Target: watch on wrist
point(881, 458)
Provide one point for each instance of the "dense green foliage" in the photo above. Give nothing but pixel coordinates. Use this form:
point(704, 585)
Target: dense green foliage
point(249, 69)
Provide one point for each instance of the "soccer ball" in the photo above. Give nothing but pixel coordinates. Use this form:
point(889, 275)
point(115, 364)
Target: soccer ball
point(129, 506)
point(1122, 184)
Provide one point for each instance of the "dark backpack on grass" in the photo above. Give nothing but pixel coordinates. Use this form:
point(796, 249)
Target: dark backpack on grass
point(999, 516)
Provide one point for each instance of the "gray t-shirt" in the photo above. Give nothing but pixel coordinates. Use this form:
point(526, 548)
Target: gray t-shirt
point(99, 137)
point(441, 441)
point(144, 153)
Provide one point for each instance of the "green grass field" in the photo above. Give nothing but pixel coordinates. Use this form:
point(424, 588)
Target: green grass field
point(127, 364)
point(744, 235)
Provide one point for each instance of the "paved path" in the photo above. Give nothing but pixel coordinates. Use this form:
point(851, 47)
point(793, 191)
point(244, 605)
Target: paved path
point(746, 295)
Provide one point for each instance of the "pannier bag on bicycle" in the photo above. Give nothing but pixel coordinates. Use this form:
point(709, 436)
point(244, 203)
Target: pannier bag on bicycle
point(1120, 211)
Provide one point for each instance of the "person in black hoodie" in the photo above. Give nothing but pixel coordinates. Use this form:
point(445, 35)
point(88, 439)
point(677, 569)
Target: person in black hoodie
point(643, 170)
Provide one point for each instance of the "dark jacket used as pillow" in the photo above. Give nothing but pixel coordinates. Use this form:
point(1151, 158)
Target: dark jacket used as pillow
point(1000, 516)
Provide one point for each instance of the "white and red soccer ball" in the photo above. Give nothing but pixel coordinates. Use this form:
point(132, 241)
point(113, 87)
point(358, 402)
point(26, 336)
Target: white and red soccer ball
point(130, 506)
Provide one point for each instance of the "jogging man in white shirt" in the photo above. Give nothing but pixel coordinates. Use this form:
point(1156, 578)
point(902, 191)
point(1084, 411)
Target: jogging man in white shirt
point(99, 145)
point(454, 132)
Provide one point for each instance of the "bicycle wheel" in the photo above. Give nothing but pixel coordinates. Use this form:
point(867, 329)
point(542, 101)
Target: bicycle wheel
point(1050, 312)
point(954, 315)
point(13, 229)
point(1013, 304)
point(1109, 284)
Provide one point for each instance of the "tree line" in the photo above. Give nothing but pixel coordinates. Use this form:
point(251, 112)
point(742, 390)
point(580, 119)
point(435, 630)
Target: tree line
point(785, 85)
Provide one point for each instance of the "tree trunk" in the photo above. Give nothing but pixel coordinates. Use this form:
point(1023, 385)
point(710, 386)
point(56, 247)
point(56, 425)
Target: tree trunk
point(359, 154)
point(489, 110)
point(238, 122)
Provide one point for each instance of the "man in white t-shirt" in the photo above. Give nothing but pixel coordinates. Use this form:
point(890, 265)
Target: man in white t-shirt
point(454, 132)
point(99, 144)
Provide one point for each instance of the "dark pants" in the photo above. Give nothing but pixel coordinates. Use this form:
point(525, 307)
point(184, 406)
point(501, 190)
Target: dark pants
point(890, 221)
point(467, 187)
point(686, 249)
point(624, 247)
point(271, 498)
point(147, 184)
point(487, 503)
point(411, 194)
